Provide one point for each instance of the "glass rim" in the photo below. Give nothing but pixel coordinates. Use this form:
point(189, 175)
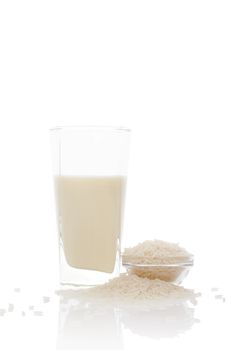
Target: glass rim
point(90, 128)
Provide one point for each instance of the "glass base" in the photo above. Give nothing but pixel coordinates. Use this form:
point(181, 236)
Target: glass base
point(74, 277)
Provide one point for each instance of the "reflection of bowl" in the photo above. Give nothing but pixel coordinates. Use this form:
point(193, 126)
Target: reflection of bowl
point(159, 322)
point(172, 272)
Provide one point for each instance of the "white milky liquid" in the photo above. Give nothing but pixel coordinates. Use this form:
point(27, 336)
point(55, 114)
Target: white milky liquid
point(90, 215)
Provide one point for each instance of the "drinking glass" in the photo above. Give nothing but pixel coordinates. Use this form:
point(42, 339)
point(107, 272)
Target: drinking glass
point(90, 169)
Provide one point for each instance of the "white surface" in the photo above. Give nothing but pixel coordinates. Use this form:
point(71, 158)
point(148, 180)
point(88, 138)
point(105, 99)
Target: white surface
point(165, 70)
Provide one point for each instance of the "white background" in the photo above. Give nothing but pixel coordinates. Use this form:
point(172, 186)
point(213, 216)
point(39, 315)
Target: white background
point(162, 68)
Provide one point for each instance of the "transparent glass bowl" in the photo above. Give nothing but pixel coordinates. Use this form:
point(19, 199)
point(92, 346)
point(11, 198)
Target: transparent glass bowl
point(175, 272)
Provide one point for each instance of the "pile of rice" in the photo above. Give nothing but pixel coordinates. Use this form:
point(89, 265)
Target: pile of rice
point(155, 252)
point(131, 287)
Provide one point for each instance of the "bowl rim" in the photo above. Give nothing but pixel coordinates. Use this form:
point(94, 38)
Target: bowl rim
point(187, 263)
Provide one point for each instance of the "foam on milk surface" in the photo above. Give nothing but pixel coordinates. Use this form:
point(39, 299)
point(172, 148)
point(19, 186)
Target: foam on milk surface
point(90, 217)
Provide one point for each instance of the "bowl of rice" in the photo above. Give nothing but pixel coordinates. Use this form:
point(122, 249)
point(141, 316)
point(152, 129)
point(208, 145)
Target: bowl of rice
point(158, 259)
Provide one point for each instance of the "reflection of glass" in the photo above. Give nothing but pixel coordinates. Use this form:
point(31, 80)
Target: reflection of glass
point(90, 169)
point(88, 325)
